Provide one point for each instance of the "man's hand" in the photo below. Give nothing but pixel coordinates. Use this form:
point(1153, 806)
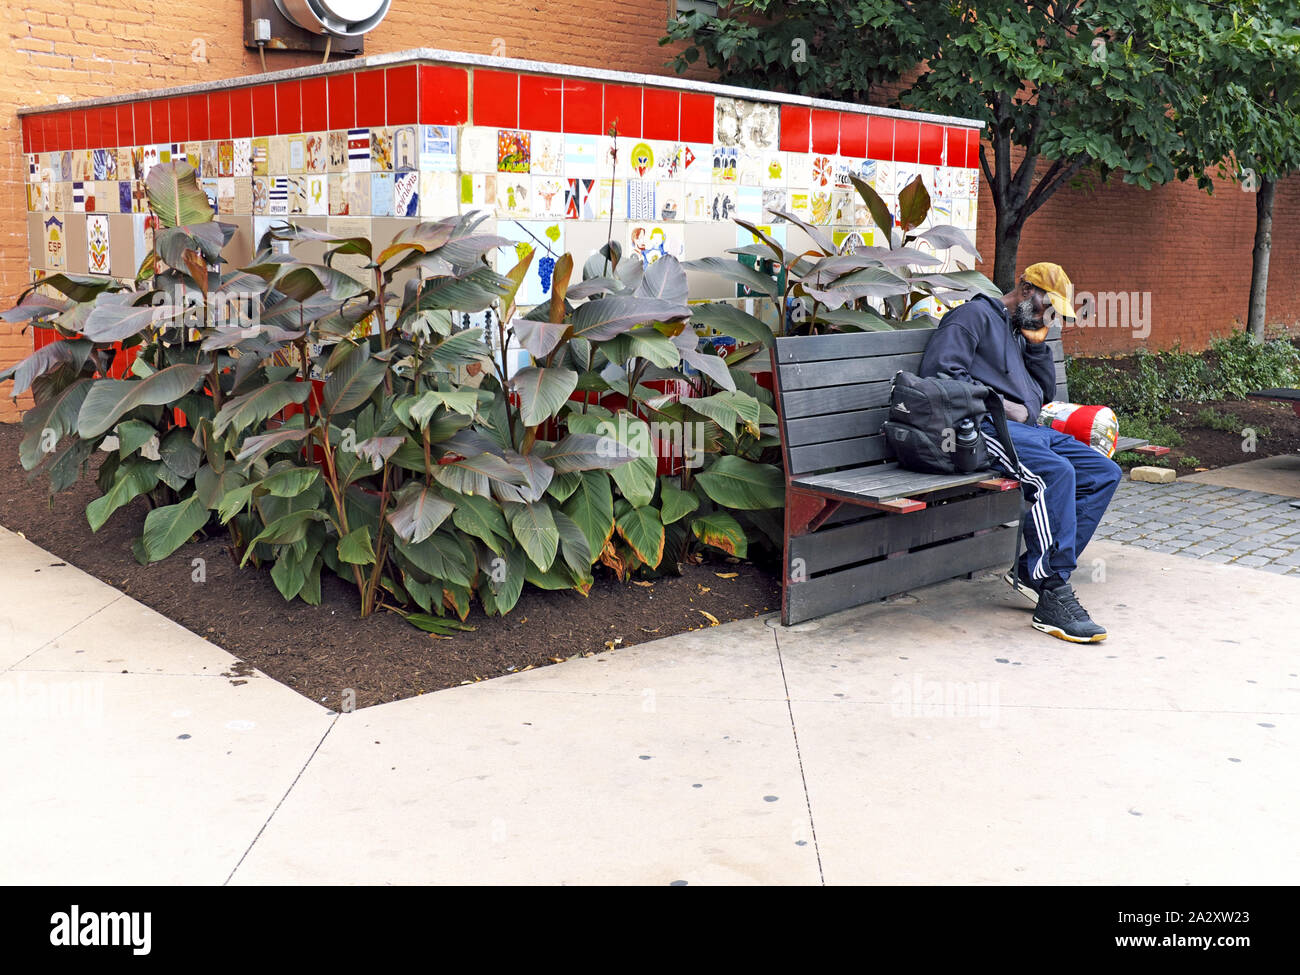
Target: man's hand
point(1035, 336)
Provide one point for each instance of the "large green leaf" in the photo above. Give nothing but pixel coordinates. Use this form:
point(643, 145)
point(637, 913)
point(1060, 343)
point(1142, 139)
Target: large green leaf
point(286, 530)
point(418, 512)
point(642, 529)
point(603, 318)
point(573, 543)
point(542, 392)
point(592, 509)
point(730, 320)
point(674, 503)
point(483, 518)
point(734, 482)
point(534, 528)
point(167, 529)
point(255, 447)
point(46, 359)
point(254, 407)
point(352, 381)
point(176, 196)
point(132, 435)
point(355, 547)
point(586, 452)
point(133, 478)
point(733, 270)
point(721, 531)
point(109, 399)
point(505, 581)
point(913, 204)
point(877, 207)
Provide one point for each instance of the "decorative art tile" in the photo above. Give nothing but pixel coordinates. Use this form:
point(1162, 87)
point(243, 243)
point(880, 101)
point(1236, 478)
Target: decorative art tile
point(514, 151)
point(261, 195)
point(438, 148)
point(548, 196)
point(580, 156)
point(821, 207)
point(723, 205)
point(278, 196)
point(105, 164)
point(668, 161)
point(578, 203)
point(78, 196)
point(242, 158)
point(336, 151)
point(97, 244)
point(438, 194)
point(356, 194)
point(641, 160)
point(277, 155)
point(749, 203)
point(774, 199)
point(56, 257)
point(546, 240)
point(822, 172)
point(641, 199)
point(381, 194)
point(406, 194)
point(358, 150)
point(297, 192)
point(697, 162)
point(547, 153)
point(651, 242)
point(338, 203)
point(62, 197)
point(514, 195)
point(226, 195)
point(699, 199)
point(83, 165)
point(225, 158)
point(381, 150)
point(243, 194)
point(406, 149)
point(317, 158)
point(260, 155)
point(478, 149)
point(316, 188)
point(297, 150)
point(670, 199)
point(725, 164)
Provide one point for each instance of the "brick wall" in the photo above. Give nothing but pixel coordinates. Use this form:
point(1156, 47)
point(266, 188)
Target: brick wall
point(1190, 250)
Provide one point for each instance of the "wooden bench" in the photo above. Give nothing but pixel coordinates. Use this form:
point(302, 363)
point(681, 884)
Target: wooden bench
point(858, 527)
point(1290, 396)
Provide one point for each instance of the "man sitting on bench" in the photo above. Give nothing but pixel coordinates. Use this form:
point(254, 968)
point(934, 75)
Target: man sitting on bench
point(1067, 483)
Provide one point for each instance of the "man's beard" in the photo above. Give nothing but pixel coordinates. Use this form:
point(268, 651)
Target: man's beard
point(1023, 316)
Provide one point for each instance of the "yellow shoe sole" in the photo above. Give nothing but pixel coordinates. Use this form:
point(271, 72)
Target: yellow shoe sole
point(1060, 634)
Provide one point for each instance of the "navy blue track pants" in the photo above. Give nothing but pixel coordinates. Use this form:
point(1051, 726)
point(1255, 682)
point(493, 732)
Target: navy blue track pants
point(1067, 487)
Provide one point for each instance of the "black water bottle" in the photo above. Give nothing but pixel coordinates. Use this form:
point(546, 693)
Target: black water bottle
point(967, 440)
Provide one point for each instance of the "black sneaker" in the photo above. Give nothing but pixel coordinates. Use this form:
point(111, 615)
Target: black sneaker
point(1060, 614)
point(1021, 585)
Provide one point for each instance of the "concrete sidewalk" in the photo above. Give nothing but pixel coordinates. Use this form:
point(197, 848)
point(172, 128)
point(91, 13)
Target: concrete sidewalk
point(932, 739)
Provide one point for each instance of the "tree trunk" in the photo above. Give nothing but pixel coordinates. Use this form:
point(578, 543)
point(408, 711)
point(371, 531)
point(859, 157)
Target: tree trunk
point(1006, 251)
point(1255, 318)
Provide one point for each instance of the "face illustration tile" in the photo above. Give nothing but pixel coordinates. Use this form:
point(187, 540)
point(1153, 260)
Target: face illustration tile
point(478, 149)
point(651, 242)
point(641, 159)
point(549, 196)
point(242, 154)
point(358, 150)
point(316, 158)
point(406, 149)
point(580, 156)
point(381, 150)
point(406, 194)
point(97, 240)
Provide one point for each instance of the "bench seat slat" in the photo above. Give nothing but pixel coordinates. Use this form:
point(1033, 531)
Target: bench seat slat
point(837, 453)
point(798, 403)
point(842, 372)
point(885, 482)
point(835, 426)
point(816, 348)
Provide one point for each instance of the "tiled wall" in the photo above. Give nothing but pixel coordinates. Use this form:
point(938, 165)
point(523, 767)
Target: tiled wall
point(371, 151)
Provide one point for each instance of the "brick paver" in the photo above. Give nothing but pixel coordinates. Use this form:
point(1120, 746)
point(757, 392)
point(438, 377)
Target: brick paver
point(1204, 521)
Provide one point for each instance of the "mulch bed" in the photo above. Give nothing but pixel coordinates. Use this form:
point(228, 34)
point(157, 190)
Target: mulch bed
point(321, 650)
point(1276, 428)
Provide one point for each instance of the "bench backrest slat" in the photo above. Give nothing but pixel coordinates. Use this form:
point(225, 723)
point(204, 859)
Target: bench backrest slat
point(834, 393)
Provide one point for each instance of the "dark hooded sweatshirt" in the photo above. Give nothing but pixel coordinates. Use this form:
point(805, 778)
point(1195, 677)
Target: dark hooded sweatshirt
point(975, 343)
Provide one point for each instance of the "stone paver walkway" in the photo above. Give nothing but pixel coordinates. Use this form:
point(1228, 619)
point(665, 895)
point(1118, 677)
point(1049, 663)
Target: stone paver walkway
point(1206, 521)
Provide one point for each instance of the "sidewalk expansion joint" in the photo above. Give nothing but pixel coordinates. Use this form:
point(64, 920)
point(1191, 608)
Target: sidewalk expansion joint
point(794, 732)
